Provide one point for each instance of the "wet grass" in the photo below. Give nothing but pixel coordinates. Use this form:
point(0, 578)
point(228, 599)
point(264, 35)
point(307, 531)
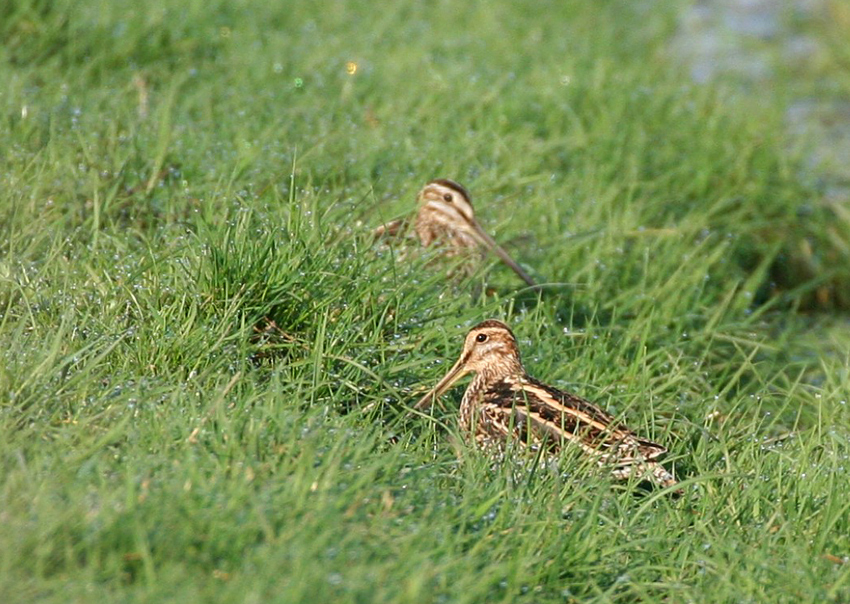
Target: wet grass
point(206, 361)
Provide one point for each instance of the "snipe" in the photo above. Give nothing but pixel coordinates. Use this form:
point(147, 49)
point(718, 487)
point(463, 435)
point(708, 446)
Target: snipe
point(445, 217)
point(503, 402)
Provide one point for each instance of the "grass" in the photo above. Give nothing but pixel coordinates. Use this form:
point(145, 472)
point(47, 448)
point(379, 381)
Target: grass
point(177, 178)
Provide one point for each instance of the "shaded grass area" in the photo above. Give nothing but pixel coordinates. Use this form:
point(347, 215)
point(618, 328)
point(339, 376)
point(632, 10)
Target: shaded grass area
point(206, 359)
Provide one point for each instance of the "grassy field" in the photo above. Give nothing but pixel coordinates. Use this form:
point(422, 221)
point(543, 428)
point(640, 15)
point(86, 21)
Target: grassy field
point(176, 176)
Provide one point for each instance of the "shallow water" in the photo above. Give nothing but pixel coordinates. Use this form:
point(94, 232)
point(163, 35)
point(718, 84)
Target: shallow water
point(761, 47)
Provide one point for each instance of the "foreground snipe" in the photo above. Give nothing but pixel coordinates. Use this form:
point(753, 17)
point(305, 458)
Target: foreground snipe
point(504, 402)
point(445, 217)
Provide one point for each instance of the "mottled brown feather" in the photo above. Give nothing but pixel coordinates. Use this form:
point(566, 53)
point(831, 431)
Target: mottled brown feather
point(504, 403)
point(445, 218)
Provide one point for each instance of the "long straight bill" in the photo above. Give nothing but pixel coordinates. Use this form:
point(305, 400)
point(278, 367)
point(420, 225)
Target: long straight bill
point(502, 254)
point(454, 374)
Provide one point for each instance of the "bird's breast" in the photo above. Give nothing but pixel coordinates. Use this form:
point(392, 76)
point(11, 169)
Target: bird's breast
point(433, 231)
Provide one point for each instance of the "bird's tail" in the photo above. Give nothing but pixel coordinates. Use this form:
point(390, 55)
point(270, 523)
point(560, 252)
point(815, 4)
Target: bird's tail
point(652, 471)
point(659, 474)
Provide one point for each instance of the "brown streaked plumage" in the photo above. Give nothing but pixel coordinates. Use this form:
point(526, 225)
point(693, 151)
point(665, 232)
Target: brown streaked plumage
point(504, 402)
point(445, 217)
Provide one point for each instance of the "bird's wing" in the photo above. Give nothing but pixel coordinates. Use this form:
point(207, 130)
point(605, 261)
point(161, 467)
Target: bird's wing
point(393, 228)
point(540, 412)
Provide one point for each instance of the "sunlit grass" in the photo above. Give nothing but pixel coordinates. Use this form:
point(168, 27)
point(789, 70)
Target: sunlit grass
point(206, 361)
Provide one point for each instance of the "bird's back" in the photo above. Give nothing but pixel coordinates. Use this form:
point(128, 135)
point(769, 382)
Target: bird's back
point(526, 409)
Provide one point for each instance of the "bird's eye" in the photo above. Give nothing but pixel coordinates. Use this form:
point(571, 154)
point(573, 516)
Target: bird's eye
point(481, 337)
point(448, 197)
